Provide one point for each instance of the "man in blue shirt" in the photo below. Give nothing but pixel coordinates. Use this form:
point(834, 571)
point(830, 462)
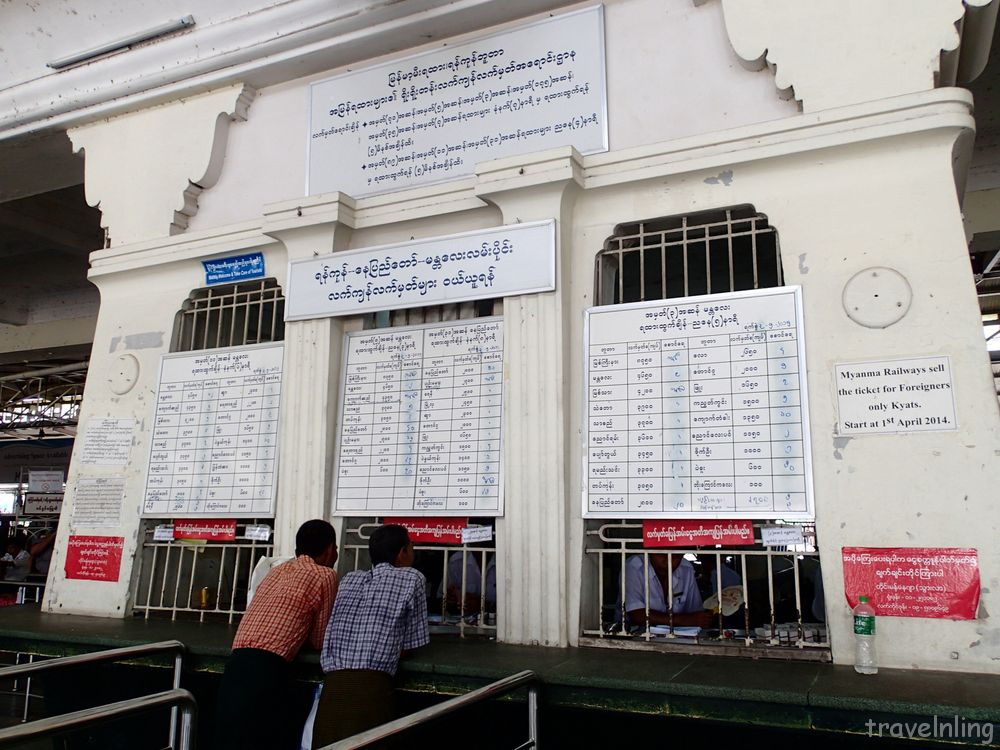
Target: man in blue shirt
point(377, 616)
point(664, 573)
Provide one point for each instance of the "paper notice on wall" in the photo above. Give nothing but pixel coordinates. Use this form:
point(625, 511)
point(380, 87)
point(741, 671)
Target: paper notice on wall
point(781, 536)
point(164, 532)
point(940, 582)
point(900, 395)
point(432, 529)
point(207, 529)
point(98, 501)
point(472, 534)
point(107, 442)
point(732, 532)
point(94, 558)
point(258, 533)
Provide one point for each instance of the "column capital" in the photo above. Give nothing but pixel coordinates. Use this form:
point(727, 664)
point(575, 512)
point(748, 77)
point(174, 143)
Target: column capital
point(311, 226)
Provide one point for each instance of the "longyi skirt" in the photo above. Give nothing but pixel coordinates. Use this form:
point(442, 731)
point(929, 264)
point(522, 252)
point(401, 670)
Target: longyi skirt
point(352, 701)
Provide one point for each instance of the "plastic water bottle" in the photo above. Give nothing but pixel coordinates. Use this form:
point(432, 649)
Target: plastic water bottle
point(864, 637)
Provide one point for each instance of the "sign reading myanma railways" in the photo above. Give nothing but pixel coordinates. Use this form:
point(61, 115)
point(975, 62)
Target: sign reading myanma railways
point(420, 430)
point(696, 407)
point(435, 115)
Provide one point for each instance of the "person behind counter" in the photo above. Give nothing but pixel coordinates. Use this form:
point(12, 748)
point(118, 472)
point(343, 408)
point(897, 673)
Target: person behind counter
point(16, 563)
point(41, 552)
point(378, 616)
point(665, 573)
point(291, 605)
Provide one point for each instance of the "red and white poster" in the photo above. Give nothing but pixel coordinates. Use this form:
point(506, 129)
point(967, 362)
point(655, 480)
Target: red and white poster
point(696, 533)
point(439, 530)
point(210, 529)
point(940, 582)
point(94, 558)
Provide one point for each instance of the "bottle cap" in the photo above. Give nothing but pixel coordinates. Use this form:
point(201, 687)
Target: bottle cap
point(863, 599)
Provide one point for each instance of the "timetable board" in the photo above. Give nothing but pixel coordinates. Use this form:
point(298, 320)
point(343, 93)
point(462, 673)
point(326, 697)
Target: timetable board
point(697, 408)
point(214, 448)
point(420, 429)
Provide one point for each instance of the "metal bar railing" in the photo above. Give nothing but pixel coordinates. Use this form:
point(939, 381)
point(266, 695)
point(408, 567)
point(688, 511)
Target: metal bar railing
point(493, 690)
point(113, 654)
point(175, 699)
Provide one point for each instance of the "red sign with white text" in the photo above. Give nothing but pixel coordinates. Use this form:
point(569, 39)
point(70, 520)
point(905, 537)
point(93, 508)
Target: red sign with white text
point(696, 533)
point(94, 558)
point(210, 529)
point(440, 530)
point(940, 582)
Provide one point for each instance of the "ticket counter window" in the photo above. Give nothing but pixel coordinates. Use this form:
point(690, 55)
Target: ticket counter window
point(462, 579)
point(759, 600)
point(210, 581)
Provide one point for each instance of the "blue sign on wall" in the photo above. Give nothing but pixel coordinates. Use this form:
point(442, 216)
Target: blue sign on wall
point(236, 268)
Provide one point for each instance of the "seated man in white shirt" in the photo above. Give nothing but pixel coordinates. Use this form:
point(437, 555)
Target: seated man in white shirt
point(16, 563)
point(666, 573)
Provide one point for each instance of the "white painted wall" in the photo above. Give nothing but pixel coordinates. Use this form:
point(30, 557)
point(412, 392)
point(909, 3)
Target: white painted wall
point(932, 489)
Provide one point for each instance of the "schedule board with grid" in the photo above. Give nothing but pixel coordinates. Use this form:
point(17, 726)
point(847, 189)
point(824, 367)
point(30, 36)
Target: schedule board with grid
point(214, 447)
point(697, 407)
point(420, 426)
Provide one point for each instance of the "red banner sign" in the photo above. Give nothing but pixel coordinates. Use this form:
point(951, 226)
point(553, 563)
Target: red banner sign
point(696, 533)
point(210, 529)
point(914, 581)
point(440, 530)
point(94, 558)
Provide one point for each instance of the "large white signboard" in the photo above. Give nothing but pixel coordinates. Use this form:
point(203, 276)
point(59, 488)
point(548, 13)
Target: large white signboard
point(434, 116)
point(696, 408)
point(484, 264)
point(421, 416)
point(215, 434)
point(902, 395)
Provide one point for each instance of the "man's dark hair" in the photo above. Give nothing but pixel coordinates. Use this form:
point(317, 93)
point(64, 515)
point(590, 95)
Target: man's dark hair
point(313, 537)
point(386, 542)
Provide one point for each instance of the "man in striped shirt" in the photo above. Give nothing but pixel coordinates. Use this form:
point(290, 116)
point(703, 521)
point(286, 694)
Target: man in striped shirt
point(292, 605)
point(379, 614)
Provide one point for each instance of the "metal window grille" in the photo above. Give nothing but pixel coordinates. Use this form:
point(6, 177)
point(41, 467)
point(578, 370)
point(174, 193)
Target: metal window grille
point(210, 581)
point(251, 312)
point(461, 580)
point(710, 252)
point(204, 582)
point(463, 615)
point(782, 614)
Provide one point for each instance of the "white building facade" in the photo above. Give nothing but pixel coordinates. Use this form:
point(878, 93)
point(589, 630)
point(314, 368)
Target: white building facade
point(842, 124)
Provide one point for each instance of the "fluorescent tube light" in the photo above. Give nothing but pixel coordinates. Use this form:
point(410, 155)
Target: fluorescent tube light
point(141, 36)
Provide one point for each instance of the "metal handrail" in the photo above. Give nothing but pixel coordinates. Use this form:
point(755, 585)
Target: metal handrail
point(493, 690)
point(113, 654)
point(175, 699)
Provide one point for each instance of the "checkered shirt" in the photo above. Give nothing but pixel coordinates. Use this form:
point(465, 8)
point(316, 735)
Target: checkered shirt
point(378, 613)
point(291, 604)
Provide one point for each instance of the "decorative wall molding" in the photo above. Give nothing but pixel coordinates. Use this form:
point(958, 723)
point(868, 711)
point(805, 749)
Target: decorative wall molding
point(832, 54)
point(944, 110)
point(175, 151)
